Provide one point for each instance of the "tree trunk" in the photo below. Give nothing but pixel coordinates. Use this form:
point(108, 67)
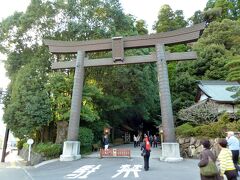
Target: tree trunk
point(62, 127)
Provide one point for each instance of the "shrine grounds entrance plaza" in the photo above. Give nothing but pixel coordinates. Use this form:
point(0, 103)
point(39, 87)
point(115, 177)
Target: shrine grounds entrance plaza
point(93, 168)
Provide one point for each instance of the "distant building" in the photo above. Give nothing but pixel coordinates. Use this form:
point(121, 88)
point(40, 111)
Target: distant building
point(218, 92)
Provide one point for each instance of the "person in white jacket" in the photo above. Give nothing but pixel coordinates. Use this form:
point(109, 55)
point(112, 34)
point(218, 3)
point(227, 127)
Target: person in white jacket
point(233, 145)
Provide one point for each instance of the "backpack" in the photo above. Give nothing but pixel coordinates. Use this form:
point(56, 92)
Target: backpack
point(148, 146)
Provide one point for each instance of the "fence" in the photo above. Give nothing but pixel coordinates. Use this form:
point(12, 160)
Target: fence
point(115, 153)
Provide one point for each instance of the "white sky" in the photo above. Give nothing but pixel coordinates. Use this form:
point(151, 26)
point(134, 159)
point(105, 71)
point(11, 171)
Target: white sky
point(141, 9)
point(148, 9)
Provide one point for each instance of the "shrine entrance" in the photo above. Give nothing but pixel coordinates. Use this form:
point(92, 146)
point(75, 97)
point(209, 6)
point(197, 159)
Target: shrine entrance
point(170, 149)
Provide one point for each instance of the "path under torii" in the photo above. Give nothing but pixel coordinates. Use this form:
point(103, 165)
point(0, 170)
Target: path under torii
point(117, 45)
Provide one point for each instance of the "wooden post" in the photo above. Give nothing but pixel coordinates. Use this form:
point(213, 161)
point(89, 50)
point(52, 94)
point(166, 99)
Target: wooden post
point(165, 97)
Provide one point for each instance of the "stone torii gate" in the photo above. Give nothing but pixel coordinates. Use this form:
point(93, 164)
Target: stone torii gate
point(170, 149)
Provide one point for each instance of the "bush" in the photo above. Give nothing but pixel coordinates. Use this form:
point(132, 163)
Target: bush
point(212, 130)
point(20, 143)
point(204, 113)
point(25, 145)
point(85, 136)
point(48, 150)
point(86, 139)
point(86, 149)
point(185, 130)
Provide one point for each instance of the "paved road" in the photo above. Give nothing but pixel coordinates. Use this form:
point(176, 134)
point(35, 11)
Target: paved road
point(104, 169)
point(135, 152)
point(93, 168)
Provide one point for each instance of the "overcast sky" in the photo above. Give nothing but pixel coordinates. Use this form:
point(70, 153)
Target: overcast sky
point(141, 9)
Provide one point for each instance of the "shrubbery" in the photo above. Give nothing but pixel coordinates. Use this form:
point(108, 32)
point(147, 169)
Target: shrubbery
point(211, 130)
point(185, 130)
point(85, 136)
point(20, 144)
point(48, 150)
point(25, 145)
point(86, 139)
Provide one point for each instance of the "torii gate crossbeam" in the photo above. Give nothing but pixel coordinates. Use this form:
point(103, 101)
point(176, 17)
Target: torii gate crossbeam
point(170, 149)
point(184, 35)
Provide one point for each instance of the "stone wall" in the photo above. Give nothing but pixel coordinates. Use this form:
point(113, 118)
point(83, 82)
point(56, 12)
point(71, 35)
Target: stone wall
point(35, 157)
point(191, 147)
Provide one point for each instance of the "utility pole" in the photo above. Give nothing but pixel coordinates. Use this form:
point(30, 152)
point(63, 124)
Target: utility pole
point(5, 145)
point(2, 93)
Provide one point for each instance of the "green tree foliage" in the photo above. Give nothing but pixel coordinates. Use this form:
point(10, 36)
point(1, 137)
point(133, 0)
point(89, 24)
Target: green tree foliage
point(217, 10)
point(215, 48)
point(211, 130)
point(130, 91)
point(59, 84)
point(234, 75)
point(198, 17)
point(86, 137)
point(222, 9)
point(28, 109)
point(141, 27)
point(48, 150)
point(21, 35)
point(169, 20)
point(112, 95)
point(234, 69)
point(96, 19)
point(204, 113)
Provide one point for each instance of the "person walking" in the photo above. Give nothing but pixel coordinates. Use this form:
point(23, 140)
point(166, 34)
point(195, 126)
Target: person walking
point(233, 145)
point(205, 157)
point(146, 149)
point(151, 140)
point(106, 142)
point(138, 140)
point(226, 163)
point(135, 140)
point(155, 140)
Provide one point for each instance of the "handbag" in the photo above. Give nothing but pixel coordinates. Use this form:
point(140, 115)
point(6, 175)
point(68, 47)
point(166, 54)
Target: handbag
point(210, 169)
point(143, 153)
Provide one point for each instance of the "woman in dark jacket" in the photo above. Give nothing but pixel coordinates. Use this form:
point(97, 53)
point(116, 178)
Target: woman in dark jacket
point(146, 149)
point(204, 160)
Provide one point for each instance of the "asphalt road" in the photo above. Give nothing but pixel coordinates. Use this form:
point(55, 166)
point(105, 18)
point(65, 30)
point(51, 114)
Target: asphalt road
point(104, 169)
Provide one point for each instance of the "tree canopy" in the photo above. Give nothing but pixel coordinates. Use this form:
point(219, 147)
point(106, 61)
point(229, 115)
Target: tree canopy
point(38, 97)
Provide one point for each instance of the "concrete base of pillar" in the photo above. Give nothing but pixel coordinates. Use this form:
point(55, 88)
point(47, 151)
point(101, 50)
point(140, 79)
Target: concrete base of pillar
point(71, 151)
point(170, 152)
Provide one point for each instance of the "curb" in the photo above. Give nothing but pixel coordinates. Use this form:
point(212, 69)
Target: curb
point(46, 162)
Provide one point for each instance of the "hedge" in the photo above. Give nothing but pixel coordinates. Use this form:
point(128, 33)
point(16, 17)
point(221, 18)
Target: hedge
point(48, 150)
point(211, 130)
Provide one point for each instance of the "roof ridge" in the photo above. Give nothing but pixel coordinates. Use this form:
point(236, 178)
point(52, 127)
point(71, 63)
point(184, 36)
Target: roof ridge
point(218, 82)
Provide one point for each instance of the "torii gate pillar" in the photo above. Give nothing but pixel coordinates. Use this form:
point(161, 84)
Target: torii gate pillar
point(170, 149)
point(71, 148)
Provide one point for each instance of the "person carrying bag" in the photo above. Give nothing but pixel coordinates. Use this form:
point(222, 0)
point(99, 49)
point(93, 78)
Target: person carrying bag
point(208, 168)
point(146, 149)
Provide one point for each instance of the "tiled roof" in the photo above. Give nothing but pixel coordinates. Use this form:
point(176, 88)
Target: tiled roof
point(217, 90)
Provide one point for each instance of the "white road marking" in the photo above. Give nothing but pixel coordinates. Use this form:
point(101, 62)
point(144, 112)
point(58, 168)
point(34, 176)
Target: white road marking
point(127, 169)
point(83, 172)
